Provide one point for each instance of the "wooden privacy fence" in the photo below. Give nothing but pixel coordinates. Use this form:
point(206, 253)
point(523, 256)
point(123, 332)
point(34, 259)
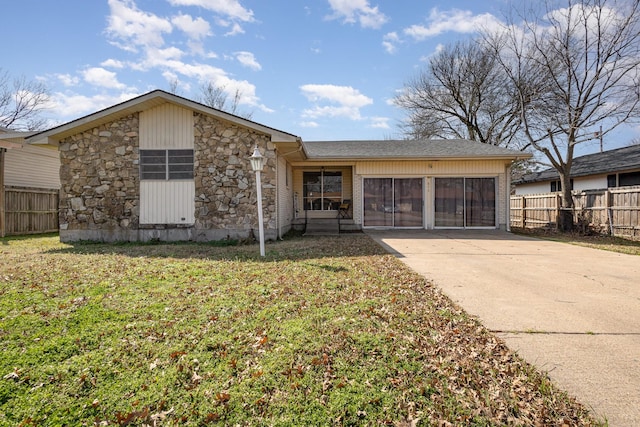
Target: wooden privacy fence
point(30, 211)
point(614, 211)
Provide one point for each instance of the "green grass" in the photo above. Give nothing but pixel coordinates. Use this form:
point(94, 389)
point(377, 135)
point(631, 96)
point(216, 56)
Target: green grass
point(326, 331)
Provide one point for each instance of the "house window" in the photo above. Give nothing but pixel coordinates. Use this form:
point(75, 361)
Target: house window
point(166, 164)
point(322, 190)
point(557, 185)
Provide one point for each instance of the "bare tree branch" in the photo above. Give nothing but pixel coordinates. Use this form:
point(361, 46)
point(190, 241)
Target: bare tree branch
point(21, 102)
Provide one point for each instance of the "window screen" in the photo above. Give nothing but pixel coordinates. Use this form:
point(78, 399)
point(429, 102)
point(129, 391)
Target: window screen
point(166, 164)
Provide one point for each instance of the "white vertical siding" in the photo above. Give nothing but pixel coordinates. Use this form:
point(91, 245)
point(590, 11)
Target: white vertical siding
point(285, 195)
point(167, 202)
point(32, 166)
point(166, 126)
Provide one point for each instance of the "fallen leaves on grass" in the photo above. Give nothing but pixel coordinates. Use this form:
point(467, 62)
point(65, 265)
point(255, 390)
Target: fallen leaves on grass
point(322, 331)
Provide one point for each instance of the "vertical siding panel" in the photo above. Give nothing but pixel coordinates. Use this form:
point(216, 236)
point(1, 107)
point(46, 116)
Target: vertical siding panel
point(285, 195)
point(167, 202)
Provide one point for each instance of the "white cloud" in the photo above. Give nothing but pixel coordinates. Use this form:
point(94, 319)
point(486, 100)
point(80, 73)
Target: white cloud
point(196, 29)
point(133, 28)
point(454, 20)
point(104, 78)
point(352, 11)
point(112, 63)
point(235, 29)
point(389, 42)
point(231, 8)
point(73, 105)
point(309, 124)
point(67, 79)
point(346, 101)
point(380, 123)
point(248, 60)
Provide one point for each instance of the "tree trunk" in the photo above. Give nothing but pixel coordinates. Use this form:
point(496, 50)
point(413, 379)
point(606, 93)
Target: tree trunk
point(565, 221)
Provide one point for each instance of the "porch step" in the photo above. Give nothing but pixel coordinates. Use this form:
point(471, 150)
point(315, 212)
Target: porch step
point(322, 227)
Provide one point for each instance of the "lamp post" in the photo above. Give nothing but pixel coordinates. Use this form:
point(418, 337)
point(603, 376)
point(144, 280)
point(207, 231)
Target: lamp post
point(257, 163)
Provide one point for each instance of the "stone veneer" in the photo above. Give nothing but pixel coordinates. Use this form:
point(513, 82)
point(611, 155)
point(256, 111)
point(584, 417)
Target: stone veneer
point(225, 203)
point(100, 194)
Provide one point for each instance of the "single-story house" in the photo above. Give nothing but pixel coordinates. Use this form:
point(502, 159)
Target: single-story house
point(607, 169)
point(164, 167)
point(27, 172)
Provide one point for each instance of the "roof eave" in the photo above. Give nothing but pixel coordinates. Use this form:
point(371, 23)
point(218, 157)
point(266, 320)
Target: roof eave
point(428, 158)
point(141, 103)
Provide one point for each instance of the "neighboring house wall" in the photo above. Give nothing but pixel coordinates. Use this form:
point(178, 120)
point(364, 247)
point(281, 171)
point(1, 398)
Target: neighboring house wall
point(593, 182)
point(32, 167)
point(582, 183)
point(533, 188)
point(103, 197)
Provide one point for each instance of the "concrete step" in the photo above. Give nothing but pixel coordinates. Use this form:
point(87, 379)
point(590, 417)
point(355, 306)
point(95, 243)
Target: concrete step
point(322, 227)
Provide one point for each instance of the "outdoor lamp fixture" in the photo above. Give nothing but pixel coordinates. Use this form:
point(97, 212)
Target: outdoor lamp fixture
point(257, 163)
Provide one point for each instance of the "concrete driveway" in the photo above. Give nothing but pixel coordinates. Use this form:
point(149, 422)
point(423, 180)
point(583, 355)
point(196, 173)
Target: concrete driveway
point(573, 312)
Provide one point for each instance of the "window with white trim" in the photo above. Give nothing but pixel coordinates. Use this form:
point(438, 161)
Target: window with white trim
point(166, 164)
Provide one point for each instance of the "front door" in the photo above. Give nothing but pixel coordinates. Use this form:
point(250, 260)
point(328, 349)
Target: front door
point(393, 202)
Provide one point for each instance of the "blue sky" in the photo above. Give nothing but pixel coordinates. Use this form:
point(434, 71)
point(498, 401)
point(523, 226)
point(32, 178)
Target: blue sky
point(320, 69)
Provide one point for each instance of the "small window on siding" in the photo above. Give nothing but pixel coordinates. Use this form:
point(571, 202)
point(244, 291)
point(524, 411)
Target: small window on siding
point(166, 164)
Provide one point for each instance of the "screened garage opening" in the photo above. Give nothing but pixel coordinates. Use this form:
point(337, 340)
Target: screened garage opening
point(393, 202)
point(465, 202)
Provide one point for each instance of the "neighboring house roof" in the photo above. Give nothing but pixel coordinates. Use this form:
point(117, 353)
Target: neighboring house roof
point(144, 102)
point(618, 160)
point(436, 149)
point(12, 139)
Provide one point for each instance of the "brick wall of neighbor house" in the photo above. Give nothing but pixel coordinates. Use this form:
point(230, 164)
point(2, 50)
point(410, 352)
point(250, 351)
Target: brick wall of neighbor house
point(225, 204)
point(99, 196)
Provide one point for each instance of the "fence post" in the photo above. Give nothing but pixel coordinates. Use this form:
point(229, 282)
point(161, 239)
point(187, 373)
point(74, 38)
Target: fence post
point(558, 204)
point(523, 205)
point(609, 203)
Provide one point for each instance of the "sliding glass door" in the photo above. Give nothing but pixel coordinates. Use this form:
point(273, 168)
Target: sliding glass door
point(465, 202)
point(393, 202)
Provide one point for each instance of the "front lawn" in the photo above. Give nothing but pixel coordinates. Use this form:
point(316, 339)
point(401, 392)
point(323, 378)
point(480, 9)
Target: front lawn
point(323, 331)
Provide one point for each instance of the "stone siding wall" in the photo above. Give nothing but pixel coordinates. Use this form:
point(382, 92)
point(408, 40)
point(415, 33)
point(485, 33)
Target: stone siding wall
point(99, 178)
point(100, 194)
point(225, 182)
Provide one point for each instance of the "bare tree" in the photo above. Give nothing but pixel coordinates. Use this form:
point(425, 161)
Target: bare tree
point(21, 103)
point(217, 97)
point(575, 65)
point(462, 94)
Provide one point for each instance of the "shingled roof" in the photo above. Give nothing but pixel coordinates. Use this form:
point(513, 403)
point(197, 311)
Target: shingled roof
point(404, 150)
point(618, 160)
